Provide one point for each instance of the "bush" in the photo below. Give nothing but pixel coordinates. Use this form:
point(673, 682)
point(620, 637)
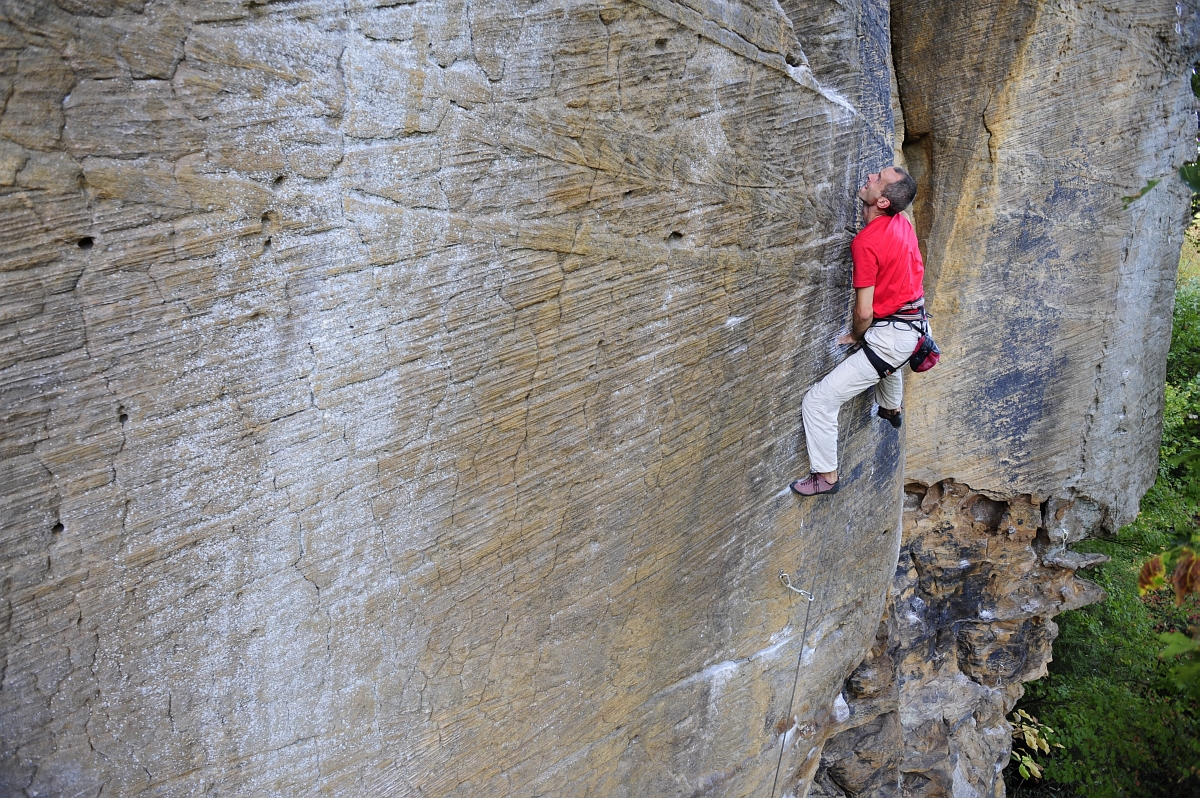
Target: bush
point(1183, 361)
point(1126, 728)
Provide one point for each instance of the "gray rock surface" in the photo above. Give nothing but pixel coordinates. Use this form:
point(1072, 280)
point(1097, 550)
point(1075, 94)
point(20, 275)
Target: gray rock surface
point(399, 399)
point(968, 621)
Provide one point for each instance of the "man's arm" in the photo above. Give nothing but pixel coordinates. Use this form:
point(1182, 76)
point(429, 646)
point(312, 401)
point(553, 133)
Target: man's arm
point(864, 303)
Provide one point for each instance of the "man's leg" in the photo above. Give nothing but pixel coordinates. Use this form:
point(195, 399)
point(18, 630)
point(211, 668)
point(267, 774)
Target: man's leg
point(820, 409)
point(894, 343)
point(889, 393)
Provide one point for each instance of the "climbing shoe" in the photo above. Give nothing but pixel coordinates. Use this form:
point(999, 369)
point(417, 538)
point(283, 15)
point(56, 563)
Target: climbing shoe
point(814, 485)
point(892, 417)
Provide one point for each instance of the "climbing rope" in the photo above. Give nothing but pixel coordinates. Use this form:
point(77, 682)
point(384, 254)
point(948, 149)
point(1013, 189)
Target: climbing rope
point(811, 596)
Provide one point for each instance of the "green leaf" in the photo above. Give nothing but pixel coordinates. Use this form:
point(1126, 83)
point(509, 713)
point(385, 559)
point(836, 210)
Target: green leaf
point(1186, 675)
point(1151, 184)
point(1177, 643)
point(1186, 456)
point(1190, 174)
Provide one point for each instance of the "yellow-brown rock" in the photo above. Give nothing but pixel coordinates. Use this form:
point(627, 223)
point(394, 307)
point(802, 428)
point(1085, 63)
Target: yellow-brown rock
point(1028, 124)
point(1052, 297)
point(400, 399)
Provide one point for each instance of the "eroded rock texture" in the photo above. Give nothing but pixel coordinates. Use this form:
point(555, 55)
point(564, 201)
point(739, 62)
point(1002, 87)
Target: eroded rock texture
point(1027, 123)
point(399, 398)
point(968, 620)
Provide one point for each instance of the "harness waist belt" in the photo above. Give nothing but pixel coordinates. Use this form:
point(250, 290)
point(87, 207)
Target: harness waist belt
point(909, 311)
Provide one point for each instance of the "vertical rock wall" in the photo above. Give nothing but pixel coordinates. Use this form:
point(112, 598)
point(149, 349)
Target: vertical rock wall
point(1026, 124)
point(1029, 122)
point(398, 399)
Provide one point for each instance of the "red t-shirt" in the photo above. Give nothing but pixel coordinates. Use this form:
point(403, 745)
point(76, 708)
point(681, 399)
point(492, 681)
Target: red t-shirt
point(886, 256)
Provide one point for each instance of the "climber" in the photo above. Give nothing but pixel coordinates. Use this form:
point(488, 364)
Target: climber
point(888, 272)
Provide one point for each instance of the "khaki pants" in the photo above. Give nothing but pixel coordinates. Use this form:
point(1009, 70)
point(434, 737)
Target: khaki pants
point(893, 342)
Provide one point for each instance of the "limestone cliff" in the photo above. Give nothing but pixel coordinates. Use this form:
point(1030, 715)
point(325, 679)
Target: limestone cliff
point(398, 398)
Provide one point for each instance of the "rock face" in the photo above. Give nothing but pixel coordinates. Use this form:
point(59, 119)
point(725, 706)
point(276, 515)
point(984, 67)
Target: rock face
point(1028, 123)
point(968, 621)
point(399, 399)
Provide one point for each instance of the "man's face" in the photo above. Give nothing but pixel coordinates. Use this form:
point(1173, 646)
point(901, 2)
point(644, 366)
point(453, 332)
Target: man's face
point(876, 183)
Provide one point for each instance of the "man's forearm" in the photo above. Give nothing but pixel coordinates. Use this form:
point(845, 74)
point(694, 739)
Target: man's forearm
point(861, 324)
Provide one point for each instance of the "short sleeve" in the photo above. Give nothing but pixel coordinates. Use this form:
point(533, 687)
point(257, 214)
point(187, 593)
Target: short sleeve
point(866, 263)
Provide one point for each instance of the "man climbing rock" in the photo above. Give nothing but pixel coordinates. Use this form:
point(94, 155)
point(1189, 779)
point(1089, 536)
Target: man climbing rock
point(888, 272)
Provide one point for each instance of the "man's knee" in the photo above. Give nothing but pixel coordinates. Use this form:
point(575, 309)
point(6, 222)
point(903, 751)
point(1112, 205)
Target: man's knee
point(816, 404)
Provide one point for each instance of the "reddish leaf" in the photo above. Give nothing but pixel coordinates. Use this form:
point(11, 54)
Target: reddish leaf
point(1186, 578)
point(1153, 575)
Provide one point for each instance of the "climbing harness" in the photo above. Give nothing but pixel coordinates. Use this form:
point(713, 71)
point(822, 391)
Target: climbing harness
point(926, 353)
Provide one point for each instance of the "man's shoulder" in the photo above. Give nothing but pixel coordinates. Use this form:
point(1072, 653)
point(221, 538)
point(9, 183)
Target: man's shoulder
point(872, 232)
point(884, 228)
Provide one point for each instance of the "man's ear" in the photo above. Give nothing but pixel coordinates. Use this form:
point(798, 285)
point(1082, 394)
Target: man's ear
point(883, 203)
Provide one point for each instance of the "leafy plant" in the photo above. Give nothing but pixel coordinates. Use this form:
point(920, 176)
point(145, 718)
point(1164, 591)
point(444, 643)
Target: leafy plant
point(1145, 189)
point(1186, 650)
point(1030, 737)
point(1183, 361)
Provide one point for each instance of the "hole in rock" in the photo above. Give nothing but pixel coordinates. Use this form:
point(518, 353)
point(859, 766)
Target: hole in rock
point(674, 238)
point(660, 44)
point(86, 242)
point(123, 418)
point(793, 59)
point(987, 511)
point(914, 493)
point(57, 528)
point(278, 180)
